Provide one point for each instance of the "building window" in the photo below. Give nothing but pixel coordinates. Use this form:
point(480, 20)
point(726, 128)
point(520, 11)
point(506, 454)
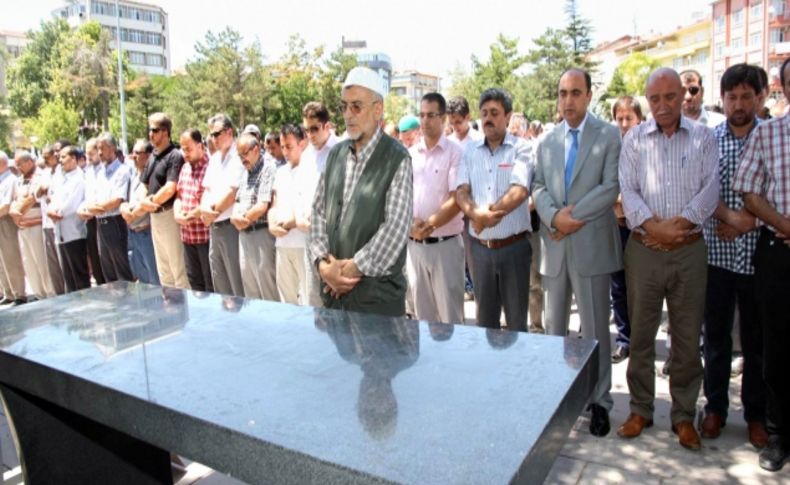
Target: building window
point(737, 17)
point(719, 49)
point(719, 24)
point(777, 36)
point(677, 63)
point(756, 39)
point(778, 8)
point(755, 11)
point(137, 58)
point(737, 43)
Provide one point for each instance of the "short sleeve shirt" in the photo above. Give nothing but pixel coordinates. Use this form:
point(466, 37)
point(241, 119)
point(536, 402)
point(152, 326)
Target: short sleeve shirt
point(162, 168)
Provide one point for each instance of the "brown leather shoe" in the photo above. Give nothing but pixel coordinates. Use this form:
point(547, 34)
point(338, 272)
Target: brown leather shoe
point(710, 428)
point(758, 436)
point(633, 426)
point(687, 435)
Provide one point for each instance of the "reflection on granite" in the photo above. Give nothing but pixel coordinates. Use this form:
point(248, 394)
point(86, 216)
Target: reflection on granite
point(361, 395)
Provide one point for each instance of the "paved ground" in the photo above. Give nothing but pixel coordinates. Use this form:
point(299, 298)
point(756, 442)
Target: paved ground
point(653, 458)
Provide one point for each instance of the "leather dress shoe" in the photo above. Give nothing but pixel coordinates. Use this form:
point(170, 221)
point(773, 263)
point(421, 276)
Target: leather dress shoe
point(758, 436)
point(633, 426)
point(710, 428)
point(6, 301)
point(687, 435)
point(775, 455)
point(620, 354)
point(599, 422)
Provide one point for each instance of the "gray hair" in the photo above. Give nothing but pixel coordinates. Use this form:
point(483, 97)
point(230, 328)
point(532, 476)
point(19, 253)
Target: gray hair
point(108, 139)
point(24, 156)
point(3, 155)
point(221, 118)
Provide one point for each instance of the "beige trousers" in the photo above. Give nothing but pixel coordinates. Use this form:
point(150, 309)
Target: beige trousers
point(168, 250)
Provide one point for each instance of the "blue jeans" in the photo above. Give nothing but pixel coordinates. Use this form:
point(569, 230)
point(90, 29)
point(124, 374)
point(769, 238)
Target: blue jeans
point(141, 256)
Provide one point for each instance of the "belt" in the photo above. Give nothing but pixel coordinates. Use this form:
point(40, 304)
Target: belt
point(256, 226)
point(108, 219)
point(139, 228)
point(217, 225)
point(163, 208)
point(640, 238)
point(432, 240)
point(501, 243)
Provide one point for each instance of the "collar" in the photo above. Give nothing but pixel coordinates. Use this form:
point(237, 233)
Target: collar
point(579, 128)
point(167, 150)
point(5, 174)
point(508, 140)
point(368, 148)
point(441, 144)
point(725, 126)
point(111, 168)
point(683, 124)
point(68, 175)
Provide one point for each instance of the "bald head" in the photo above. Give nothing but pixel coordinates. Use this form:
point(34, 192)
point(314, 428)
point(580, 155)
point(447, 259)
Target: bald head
point(664, 94)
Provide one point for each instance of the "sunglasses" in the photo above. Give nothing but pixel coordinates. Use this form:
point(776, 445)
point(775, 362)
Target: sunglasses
point(312, 129)
point(154, 130)
point(694, 90)
point(216, 134)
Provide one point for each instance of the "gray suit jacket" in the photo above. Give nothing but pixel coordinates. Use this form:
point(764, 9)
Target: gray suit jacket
point(595, 249)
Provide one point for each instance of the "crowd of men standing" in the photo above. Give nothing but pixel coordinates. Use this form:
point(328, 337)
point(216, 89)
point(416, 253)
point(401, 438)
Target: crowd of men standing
point(685, 207)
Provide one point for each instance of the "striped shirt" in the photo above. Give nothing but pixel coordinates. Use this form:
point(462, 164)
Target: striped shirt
point(383, 249)
point(665, 177)
point(490, 175)
point(765, 167)
point(736, 255)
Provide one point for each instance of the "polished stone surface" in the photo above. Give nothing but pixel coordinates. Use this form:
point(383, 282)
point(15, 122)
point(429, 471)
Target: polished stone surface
point(268, 391)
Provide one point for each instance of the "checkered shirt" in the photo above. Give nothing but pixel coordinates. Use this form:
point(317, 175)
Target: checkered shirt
point(736, 255)
point(765, 166)
point(383, 249)
point(190, 190)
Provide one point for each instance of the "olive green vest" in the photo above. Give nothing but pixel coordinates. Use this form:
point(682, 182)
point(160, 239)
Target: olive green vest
point(384, 295)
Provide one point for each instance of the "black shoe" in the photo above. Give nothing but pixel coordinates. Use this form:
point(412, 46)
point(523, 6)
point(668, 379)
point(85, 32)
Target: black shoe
point(620, 354)
point(6, 301)
point(599, 422)
point(774, 456)
point(19, 301)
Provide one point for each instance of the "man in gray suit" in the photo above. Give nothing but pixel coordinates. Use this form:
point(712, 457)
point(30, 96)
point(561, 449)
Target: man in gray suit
point(575, 188)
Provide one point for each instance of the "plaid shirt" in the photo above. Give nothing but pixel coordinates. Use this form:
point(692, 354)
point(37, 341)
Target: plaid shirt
point(255, 186)
point(380, 253)
point(765, 167)
point(736, 255)
point(190, 190)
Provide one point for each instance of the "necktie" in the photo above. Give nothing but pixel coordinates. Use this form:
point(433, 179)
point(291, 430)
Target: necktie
point(571, 161)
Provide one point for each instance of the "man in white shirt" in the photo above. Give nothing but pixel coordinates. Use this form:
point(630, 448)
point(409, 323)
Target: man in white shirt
point(66, 194)
point(692, 101)
point(463, 133)
point(221, 183)
point(50, 174)
point(294, 188)
point(315, 121)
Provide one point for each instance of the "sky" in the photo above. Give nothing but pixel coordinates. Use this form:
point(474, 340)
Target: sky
point(432, 36)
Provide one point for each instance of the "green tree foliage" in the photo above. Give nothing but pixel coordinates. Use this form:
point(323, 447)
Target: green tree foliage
point(396, 107)
point(532, 78)
point(31, 74)
point(630, 77)
point(226, 76)
point(55, 120)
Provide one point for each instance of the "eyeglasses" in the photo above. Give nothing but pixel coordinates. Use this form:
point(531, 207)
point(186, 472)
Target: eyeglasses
point(430, 115)
point(354, 106)
point(313, 129)
point(693, 90)
point(154, 130)
point(243, 155)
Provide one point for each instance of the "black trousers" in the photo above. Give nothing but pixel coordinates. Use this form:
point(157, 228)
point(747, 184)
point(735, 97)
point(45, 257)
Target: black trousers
point(772, 283)
point(198, 267)
point(114, 248)
point(724, 289)
point(94, 260)
point(75, 264)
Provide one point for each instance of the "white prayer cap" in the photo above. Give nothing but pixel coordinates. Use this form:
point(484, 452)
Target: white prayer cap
point(366, 78)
